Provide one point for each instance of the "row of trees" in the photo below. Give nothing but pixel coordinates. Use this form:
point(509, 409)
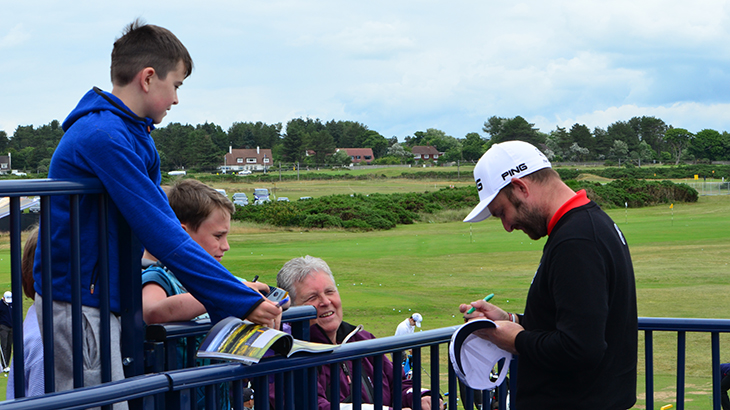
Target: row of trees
point(313, 142)
point(641, 139)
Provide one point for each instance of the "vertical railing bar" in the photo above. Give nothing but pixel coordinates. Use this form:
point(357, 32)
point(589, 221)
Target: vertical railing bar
point(649, 368)
point(279, 386)
point(502, 389)
point(716, 376)
point(47, 298)
point(435, 375)
point(261, 392)
point(378, 381)
point(16, 286)
point(416, 378)
point(356, 384)
point(334, 386)
point(681, 352)
point(311, 396)
point(76, 321)
point(453, 388)
point(104, 293)
point(289, 391)
point(237, 394)
point(397, 400)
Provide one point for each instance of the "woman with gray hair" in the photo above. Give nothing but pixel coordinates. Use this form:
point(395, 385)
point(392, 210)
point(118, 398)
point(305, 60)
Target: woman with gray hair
point(309, 281)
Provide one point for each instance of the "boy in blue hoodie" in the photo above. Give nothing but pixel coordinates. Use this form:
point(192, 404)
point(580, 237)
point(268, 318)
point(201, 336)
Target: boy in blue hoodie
point(107, 136)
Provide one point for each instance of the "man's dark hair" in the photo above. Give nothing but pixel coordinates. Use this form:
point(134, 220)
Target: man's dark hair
point(540, 176)
point(145, 45)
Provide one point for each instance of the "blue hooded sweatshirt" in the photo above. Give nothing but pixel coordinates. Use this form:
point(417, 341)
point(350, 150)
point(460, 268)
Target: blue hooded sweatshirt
point(105, 140)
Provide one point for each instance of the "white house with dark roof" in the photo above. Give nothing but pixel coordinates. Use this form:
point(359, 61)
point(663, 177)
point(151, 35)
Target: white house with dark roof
point(425, 153)
point(247, 159)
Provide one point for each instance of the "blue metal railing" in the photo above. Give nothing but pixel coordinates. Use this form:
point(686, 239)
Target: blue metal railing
point(295, 378)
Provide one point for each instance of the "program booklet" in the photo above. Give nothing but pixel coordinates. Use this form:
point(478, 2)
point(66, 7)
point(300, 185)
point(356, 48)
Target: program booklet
point(246, 342)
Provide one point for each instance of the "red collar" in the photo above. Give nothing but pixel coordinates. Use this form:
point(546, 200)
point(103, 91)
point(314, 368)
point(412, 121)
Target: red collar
point(579, 199)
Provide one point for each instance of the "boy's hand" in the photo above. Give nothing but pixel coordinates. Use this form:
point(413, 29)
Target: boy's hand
point(267, 313)
point(259, 287)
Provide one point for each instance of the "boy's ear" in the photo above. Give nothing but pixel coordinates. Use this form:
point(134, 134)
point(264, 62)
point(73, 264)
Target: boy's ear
point(185, 228)
point(145, 78)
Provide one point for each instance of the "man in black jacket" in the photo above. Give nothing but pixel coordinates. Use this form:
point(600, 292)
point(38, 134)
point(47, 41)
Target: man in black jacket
point(577, 338)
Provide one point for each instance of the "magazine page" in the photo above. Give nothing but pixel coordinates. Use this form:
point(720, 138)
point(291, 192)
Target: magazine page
point(234, 339)
point(311, 347)
point(246, 342)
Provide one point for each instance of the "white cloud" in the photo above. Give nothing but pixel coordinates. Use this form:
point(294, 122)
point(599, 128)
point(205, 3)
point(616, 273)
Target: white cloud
point(397, 67)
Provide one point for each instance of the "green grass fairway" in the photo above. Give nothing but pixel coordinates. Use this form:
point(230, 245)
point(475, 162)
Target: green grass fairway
point(681, 258)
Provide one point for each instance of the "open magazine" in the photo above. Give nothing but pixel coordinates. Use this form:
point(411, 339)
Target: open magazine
point(246, 342)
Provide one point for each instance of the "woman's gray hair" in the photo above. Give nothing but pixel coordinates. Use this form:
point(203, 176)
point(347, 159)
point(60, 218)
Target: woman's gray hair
point(297, 269)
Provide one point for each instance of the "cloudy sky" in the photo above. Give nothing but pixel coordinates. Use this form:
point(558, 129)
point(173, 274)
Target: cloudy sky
point(395, 66)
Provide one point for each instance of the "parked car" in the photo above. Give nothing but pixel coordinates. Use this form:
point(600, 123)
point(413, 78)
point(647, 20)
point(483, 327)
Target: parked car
point(261, 196)
point(244, 172)
point(36, 206)
point(304, 198)
point(240, 198)
point(282, 199)
point(222, 191)
point(180, 172)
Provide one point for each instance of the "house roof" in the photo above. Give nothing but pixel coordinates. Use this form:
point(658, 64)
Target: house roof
point(259, 154)
point(425, 149)
point(363, 152)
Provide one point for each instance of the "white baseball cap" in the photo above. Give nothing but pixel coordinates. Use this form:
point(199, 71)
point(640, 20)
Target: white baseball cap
point(418, 318)
point(8, 296)
point(498, 166)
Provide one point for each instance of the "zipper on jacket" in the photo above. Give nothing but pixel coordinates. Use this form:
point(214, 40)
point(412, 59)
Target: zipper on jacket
point(94, 278)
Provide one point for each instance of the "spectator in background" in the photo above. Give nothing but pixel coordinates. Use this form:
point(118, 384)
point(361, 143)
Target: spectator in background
point(247, 399)
point(32, 342)
point(409, 325)
point(6, 329)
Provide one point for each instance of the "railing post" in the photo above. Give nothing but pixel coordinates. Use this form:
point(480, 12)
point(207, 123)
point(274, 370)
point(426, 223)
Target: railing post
point(416, 379)
point(44, 239)
point(16, 286)
point(716, 372)
point(649, 368)
point(681, 352)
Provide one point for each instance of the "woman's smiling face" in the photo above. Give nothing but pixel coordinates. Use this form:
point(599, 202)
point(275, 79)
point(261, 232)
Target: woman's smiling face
point(318, 290)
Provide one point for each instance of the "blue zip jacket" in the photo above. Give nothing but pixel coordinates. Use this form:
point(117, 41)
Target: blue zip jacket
point(105, 140)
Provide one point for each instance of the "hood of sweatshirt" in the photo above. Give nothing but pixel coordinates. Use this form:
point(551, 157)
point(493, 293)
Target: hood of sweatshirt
point(97, 100)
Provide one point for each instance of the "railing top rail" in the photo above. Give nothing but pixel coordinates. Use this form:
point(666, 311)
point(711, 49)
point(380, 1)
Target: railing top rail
point(684, 324)
point(32, 187)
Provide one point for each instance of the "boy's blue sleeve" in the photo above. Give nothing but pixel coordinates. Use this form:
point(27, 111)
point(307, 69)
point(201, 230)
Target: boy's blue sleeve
point(114, 159)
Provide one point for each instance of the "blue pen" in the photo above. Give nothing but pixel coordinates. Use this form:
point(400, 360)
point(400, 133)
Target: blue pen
point(486, 299)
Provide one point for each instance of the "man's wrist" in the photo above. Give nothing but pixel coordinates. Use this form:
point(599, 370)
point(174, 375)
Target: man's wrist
point(512, 317)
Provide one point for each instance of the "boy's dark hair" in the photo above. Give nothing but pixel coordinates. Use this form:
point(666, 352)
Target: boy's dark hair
point(193, 202)
point(145, 45)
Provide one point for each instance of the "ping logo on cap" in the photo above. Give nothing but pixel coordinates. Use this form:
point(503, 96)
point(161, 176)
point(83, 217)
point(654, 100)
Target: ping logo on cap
point(479, 184)
point(512, 171)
